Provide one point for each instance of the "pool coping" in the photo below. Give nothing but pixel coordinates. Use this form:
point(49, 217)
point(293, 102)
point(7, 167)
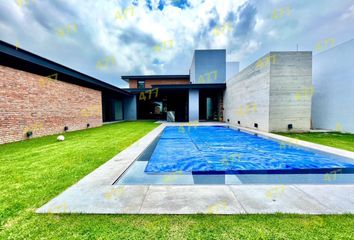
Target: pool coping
point(95, 194)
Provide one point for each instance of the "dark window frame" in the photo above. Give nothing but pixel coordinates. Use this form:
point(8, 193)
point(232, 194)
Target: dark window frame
point(141, 82)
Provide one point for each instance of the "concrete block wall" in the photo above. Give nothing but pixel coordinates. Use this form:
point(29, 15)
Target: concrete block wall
point(291, 91)
point(246, 98)
point(272, 92)
point(30, 102)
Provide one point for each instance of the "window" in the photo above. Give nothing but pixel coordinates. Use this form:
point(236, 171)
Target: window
point(141, 84)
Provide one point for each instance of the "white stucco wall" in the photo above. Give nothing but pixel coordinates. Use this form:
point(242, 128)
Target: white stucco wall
point(232, 69)
point(333, 76)
point(208, 66)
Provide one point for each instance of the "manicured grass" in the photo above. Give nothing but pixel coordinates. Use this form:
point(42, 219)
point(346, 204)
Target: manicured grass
point(32, 172)
point(333, 139)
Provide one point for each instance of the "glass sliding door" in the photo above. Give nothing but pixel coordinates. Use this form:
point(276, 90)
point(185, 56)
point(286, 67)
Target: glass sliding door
point(117, 110)
point(209, 108)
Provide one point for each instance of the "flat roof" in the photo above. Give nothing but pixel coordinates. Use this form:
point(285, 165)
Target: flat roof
point(162, 77)
point(180, 86)
point(17, 58)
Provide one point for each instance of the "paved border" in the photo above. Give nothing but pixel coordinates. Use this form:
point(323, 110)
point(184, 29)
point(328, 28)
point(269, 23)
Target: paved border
point(95, 193)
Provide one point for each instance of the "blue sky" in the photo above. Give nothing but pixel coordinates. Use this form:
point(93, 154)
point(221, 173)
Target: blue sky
point(110, 38)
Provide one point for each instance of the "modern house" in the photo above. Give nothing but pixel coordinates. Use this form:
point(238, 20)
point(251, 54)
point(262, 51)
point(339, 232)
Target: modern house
point(274, 94)
point(157, 95)
point(194, 97)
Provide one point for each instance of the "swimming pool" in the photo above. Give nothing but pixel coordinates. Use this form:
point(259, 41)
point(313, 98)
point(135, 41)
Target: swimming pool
point(221, 155)
point(218, 149)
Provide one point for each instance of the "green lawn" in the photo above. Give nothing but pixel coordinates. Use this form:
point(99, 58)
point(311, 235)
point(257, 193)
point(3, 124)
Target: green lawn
point(333, 139)
point(32, 172)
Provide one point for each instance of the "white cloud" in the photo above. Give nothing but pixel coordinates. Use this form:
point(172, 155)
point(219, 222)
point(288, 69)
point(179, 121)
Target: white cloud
point(349, 13)
point(131, 40)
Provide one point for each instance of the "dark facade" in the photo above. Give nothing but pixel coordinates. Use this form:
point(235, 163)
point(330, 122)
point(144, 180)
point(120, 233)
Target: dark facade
point(156, 95)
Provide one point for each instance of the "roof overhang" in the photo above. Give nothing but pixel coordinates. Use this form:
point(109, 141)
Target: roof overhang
point(154, 77)
point(221, 86)
point(17, 58)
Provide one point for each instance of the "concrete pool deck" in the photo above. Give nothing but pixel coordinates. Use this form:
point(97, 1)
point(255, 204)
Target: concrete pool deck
point(96, 194)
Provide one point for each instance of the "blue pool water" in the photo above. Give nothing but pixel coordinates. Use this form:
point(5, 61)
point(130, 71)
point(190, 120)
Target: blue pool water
point(219, 149)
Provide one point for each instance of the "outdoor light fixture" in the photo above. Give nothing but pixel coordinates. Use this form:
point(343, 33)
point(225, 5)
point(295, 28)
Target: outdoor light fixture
point(290, 126)
point(256, 125)
point(66, 128)
point(29, 134)
point(238, 122)
point(228, 120)
point(88, 125)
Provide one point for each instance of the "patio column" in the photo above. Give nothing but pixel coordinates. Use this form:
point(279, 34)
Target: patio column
point(193, 103)
point(130, 112)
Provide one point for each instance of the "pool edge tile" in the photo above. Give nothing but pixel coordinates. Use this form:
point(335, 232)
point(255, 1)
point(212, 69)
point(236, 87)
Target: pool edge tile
point(266, 199)
point(340, 198)
point(201, 199)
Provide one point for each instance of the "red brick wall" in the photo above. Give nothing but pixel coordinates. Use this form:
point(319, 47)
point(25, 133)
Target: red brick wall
point(149, 82)
point(133, 84)
point(30, 102)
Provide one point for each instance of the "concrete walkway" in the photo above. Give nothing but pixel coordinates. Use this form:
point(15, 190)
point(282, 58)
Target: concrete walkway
point(95, 193)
